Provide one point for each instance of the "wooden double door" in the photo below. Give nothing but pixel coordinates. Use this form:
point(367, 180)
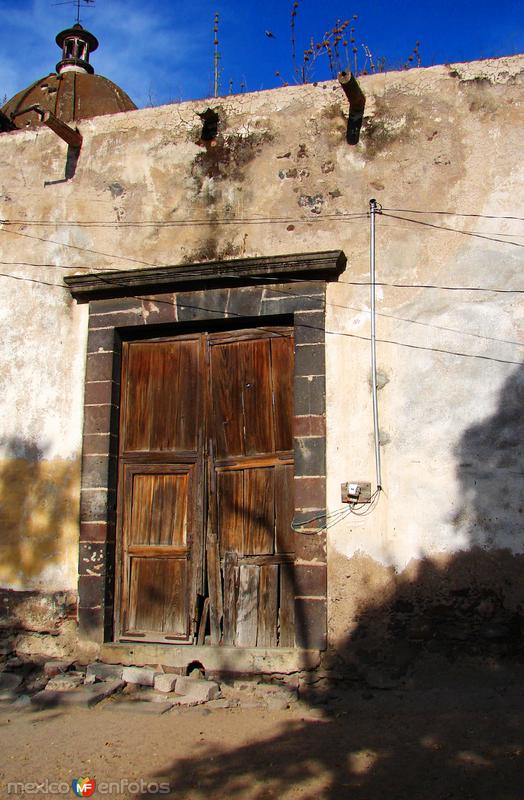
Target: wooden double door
point(205, 490)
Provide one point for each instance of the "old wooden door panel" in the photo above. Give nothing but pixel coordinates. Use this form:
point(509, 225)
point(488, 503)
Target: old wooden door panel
point(160, 480)
point(286, 614)
point(259, 603)
point(255, 509)
point(256, 397)
point(159, 527)
point(230, 501)
point(259, 510)
point(282, 365)
point(250, 420)
point(158, 509)
point(160, 389)
point(252, 394)
point(247, 606)
point(226, 402)
point(267, 635)
point(159, 596)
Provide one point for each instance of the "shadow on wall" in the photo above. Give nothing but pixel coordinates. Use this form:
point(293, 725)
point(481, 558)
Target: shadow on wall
point(490, 466)
point(38, 528)
point(424, 698)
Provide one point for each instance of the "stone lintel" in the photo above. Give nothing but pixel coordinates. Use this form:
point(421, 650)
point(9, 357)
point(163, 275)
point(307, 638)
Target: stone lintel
point(116, 283)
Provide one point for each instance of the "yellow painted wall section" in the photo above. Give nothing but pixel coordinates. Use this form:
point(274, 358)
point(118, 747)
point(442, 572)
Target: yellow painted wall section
point(39, 523)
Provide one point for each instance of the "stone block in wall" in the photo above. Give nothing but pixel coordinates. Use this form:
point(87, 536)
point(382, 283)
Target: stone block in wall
point(310, 580)
point(310, 328)
point(96, 505)
point(310, 455)
point(311, 623)
point(101, 392)
point(100, 367)
point(309, 492)
point(244, 302)
point(91, 623)
point(310, 395)
point(310, 359)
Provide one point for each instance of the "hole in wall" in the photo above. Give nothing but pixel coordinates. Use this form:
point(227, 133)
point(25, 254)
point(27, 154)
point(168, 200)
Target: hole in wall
point(195, 665)
point(209, 125)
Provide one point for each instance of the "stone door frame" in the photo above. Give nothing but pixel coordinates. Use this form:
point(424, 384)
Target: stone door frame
point(270, 297)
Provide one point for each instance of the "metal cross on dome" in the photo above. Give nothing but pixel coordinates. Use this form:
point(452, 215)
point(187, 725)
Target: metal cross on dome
point(79, 4)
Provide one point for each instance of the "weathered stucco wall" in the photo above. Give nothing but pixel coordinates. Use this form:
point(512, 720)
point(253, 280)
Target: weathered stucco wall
point(280, 179)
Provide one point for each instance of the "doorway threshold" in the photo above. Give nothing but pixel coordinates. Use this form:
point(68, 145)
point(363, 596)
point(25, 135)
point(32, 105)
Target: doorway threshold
point(215, 660)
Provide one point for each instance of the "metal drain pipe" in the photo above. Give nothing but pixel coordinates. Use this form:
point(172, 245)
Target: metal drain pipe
point(372, 210)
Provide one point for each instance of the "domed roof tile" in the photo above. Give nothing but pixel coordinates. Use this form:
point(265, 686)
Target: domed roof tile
point(74, 92)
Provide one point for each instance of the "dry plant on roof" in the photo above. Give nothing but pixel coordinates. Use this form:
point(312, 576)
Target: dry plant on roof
point(338, 46)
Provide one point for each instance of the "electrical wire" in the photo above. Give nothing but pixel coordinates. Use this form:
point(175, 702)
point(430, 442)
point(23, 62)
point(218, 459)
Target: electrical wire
point(363, 509)
point(430, 349)
point(247, 220)
point(436, 286)
point(155, 299)
point(114, 282)
point(453, 230)
point(32, 280)
point(183, 223)
point(333, 518)
point(453, 214)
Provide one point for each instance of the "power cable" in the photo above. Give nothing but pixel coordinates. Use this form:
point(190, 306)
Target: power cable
point(430, 349)
point(155, 299)
point(32, 280)
point(181, 223)
point(453, 230)
point(436, 286)
point(453, 214)
point(77, 247)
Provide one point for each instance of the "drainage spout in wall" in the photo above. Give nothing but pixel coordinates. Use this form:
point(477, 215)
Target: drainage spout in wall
point(357, 103)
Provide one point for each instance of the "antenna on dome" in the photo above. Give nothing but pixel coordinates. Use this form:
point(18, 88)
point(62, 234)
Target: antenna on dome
point(79, 4)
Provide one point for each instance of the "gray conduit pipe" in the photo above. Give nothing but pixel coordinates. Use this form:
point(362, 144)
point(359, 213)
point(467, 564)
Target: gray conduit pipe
point(373, 210)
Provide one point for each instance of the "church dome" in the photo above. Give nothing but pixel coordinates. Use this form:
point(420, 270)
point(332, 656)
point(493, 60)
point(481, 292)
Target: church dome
point(71, 93)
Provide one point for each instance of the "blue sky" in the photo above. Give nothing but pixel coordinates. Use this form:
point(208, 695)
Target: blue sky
point(161, 51)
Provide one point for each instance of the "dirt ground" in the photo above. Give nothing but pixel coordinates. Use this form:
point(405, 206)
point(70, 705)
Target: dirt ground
point(452, 741)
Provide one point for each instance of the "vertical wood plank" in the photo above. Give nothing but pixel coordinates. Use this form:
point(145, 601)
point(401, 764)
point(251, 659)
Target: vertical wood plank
point(257, 400)
point(174, 585)
point(231, 589)
point(287, 607)
point(226, 399)
point(282, 371)
point(129, 610)
point(230, 511)
point(214, 586)
point(284, 508)
point(147, 602)
point(195, 537)
point(247, 607)
point(187, 418)
point(259, 511)
point(202, 625)
point(268, 606)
